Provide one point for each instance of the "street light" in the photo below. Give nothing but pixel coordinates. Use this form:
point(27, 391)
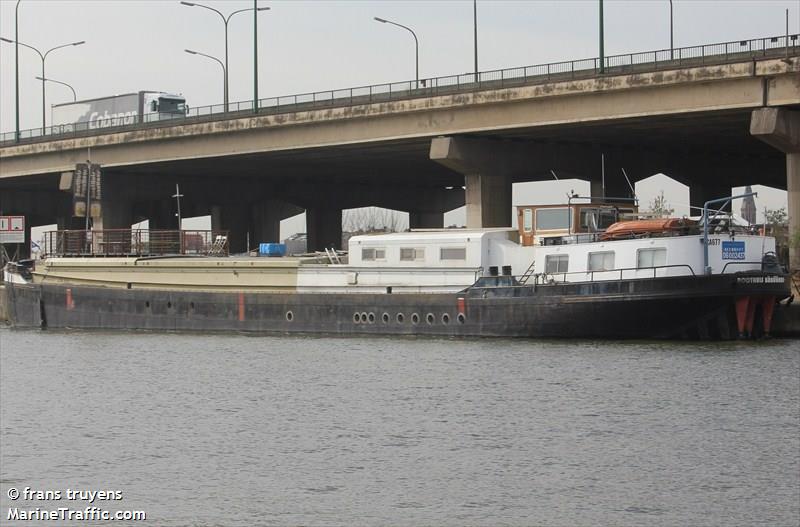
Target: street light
point(416, 42)
point(16, 67)
point(74, 97)
point(225, 21)
point(43, 56)
point(671, 46)
point(224, 70)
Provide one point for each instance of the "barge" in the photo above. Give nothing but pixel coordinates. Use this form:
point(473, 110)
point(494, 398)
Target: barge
point(576, 270)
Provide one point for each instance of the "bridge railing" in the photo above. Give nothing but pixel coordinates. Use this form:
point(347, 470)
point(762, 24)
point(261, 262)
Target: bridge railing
point(642, 62)
point(134, 242)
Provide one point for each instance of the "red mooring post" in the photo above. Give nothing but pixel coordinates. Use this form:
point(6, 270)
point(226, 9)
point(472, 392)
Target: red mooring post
point(741, 313)
point(767, 308)
point(751, 315)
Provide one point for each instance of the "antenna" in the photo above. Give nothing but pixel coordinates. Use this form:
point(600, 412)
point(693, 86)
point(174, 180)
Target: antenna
point(554, 174)
point(178, 197)
point(633, 190)
point(603, 173)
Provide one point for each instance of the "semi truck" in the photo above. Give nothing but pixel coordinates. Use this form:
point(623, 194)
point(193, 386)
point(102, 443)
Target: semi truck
point(117, 110)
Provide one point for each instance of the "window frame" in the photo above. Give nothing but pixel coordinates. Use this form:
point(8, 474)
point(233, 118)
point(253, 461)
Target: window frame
point(560, 257)
point(418, 254)
point(653, 251)
point(375, 254)
point(604, 254)
point(563, 210)
point(458, 248)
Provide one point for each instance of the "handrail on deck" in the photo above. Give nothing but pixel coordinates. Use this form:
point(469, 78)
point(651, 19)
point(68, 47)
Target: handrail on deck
point(135, 242)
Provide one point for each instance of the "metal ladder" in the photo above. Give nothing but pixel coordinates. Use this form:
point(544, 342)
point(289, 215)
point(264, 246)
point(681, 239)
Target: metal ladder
point(332, 256)
point(527, 274)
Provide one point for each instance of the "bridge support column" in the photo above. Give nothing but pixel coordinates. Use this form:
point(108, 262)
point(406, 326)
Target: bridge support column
point(793, 191)
point(116, 210)
point(161, 215)
point(780, 128)
point(487, 177)
point(488, 200)
point(324, 228)
point(267, 216)
point(700, 193)
point(234, 219)
point(425, 220)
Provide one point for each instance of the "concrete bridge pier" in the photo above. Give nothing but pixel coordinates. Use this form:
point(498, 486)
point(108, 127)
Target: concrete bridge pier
point(266, 220)
point(324, 227)
point(425, 220)
point(699, 193)
point(234, 218)
point(116, 207)
point(780, 128)
point(487, 177)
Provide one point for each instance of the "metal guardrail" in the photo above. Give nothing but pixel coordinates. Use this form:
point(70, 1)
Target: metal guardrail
point(641, 62)
point(134, 242)
point(542, 278)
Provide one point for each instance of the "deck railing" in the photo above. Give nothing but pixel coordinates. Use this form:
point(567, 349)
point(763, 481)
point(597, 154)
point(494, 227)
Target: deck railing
point(134, 242)
point(626, 63)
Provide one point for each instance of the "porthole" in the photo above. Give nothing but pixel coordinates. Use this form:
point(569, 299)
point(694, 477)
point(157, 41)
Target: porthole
point(364, 318)
point(147, 304)
point(445, 318)
point(430, 319)
point(371, 318)
point(289, 316)
point(357, 318)
point(400, 318)
point(461, 318)
point(169, 305)
point(415, 318)
point(385, 318)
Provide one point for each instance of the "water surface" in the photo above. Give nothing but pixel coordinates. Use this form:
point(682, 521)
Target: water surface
point(239, 430)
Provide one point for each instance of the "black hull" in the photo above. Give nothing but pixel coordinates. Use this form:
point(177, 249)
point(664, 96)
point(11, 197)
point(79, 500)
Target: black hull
point(678, 307)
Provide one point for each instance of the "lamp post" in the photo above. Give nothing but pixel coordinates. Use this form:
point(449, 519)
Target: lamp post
point(602, 51)
point(224, 69)
point(74, 96)
point(671, 43)
point(225, 21)
point(475, 29)
point(42, 56)
point(416, 42)
point(16, 67)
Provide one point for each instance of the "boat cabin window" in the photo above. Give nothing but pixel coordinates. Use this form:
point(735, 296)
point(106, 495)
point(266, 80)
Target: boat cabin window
point(527, 220)
point(556, 263)
point(601, 261)
point(597, 219)
point(552, 219)
point(453, 253)
point(373, 253)
point(651, 257)
point(410, 254)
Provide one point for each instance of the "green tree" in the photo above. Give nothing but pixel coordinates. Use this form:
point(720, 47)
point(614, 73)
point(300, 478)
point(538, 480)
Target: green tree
point(659, 208)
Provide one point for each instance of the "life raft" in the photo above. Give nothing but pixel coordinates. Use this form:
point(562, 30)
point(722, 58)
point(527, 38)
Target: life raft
point(654, 226)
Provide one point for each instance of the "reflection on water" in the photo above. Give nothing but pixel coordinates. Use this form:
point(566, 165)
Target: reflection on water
point(238, 430)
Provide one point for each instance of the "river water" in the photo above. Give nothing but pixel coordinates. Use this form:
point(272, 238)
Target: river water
point(241, 430)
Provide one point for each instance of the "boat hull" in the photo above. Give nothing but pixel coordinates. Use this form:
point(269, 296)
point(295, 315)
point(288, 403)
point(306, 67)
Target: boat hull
point(670, 307)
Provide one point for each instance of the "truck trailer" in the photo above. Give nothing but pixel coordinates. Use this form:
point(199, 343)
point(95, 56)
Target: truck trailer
point(117, 110)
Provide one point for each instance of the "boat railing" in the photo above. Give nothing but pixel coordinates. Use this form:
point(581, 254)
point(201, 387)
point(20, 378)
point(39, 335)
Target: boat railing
point(725, 267)
point(134, 242)
point(549, 278)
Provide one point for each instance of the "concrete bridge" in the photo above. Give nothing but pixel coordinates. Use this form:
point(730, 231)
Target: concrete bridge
point(711, 122)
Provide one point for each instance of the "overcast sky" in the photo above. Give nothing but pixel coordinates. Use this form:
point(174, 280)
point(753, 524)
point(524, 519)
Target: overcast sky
point(310, 46)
